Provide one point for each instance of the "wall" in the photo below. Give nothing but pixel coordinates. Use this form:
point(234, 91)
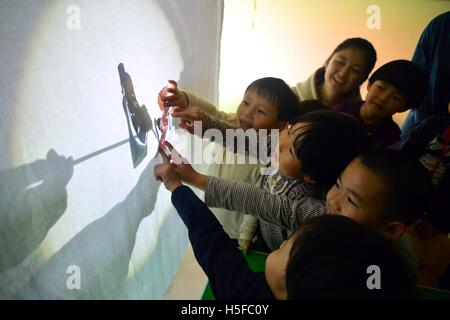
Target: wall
point(290, 39)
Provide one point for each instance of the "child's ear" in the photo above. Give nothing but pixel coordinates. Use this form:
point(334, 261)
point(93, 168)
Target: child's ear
point(369, 85)
point(393, 230)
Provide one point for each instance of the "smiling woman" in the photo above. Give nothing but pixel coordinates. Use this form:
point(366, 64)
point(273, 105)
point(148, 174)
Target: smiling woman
point(290, 39)
point(92, 227)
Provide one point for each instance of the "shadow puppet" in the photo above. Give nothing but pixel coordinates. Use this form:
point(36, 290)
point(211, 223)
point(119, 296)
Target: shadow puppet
point(32, 199)
point(101, 251)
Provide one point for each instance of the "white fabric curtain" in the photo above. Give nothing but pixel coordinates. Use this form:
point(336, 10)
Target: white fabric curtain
point(77, 221)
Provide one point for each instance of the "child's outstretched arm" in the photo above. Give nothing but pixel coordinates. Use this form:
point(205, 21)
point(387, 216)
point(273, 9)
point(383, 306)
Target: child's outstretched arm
point(220, 259)
point(248, 198)
point(165, 173)
point(231, 137)
point(210, 109)
point(183, 99)
point(193, 114)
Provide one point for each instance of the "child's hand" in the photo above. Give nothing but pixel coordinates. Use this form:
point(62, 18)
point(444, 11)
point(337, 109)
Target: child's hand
point(246, 245)
point(166, 173)
point(188, 116)
point(185, 171)
point(172, 97)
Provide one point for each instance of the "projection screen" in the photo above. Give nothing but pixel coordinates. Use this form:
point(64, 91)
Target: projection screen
point(77, 220)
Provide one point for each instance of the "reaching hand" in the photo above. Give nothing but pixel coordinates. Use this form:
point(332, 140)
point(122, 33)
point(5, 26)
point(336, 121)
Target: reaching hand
point(172, 97)
point(166, 173)
point(185, 171)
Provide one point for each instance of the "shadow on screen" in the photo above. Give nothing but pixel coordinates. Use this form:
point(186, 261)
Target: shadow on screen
point(101, 251)
point(32, 199)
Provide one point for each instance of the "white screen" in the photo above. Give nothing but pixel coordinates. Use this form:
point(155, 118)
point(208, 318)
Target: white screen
point(100, 228)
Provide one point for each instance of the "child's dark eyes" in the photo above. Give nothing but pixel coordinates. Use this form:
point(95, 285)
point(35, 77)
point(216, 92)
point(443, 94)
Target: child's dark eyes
point(380, 87)
point(351, 201)
point(261, 111)
point(245, 102)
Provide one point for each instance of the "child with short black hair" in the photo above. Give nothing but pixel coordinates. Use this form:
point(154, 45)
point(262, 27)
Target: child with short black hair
point(380, 188)
point(329, 257)
point(383, 189)
point(310, 154)
point(332, 253)
point(268, 103)
point(394, 87)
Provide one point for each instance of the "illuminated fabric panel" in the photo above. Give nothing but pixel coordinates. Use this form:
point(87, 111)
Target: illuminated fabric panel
point(77, 221)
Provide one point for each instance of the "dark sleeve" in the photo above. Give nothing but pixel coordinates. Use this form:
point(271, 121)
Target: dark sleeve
point(391, 136)
point(351, 108)
point(227, 270)
point(422, 134)
point(431, 55)
point(422, 57)
point(422, 54)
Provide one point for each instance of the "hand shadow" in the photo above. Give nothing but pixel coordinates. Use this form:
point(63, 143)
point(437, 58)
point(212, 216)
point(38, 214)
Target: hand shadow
point(32, 198)
point(101, 251)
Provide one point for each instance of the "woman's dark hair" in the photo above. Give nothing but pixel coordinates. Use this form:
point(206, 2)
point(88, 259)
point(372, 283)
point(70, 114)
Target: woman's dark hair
point(357, 43)
point(333, 257)
point(276, 91)
point(363, 45)
point(326, 143)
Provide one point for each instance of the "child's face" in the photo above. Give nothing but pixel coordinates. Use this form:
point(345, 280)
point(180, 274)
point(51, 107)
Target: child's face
point(276, 264)
point(284, 156)
point(256, 112)
point(345, 71)
point(358, 194)
point(382, 101)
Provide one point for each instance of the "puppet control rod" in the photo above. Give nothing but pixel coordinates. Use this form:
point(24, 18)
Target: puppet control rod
point(96, 153)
